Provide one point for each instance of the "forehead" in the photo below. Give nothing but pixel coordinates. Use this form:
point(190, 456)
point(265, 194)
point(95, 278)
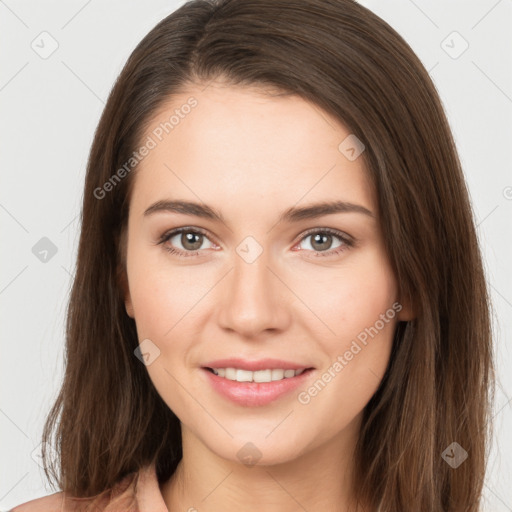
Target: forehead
point(239, 146)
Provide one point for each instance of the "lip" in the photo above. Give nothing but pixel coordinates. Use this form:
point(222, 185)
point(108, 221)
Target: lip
point(255, 394)
point(253, 366)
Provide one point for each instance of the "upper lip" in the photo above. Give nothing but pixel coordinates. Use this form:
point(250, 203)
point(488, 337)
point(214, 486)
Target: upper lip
point(260, 364)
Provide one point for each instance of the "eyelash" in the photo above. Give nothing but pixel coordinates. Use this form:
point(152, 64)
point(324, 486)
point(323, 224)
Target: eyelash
point(347, 242)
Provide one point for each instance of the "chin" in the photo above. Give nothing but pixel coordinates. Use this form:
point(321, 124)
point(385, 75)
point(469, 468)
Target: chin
point(257, 450)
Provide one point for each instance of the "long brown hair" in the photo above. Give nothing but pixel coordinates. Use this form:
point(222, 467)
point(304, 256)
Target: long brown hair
point(108, 419)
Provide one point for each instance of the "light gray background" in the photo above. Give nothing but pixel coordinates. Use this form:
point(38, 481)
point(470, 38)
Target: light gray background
point(50, 108)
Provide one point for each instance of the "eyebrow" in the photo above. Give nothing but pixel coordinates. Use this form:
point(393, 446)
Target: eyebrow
point(293, 214)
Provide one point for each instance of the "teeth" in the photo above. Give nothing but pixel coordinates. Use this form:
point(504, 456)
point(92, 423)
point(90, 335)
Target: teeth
point(258, 376)
point(277, 374)
point(230, 373)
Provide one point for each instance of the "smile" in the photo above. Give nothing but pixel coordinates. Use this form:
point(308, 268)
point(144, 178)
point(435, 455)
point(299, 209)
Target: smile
point(255, 388)
point(268, 375)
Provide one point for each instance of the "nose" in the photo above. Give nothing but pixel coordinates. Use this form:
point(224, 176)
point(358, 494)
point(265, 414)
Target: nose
point(253, 299)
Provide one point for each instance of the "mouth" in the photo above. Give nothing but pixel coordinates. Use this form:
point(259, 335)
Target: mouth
point(256, 388)
point(261, 376)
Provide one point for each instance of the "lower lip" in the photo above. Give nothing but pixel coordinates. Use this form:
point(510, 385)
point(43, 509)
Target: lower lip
point(252, 394)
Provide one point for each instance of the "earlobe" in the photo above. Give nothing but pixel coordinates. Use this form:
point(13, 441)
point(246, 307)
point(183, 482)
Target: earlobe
point(129, 306)
point(125, 290)
point(122, 275)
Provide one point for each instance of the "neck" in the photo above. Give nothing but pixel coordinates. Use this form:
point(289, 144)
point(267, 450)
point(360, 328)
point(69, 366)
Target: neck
point(318, 480)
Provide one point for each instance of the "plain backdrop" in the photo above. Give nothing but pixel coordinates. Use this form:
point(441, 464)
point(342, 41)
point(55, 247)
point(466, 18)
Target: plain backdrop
point(50, 105)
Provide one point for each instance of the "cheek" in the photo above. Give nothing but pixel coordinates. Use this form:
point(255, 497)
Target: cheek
point(352, 297)
point(153, 304)
point(366, 300)
point(360, 313)
point(161, 293)
point(163, 299)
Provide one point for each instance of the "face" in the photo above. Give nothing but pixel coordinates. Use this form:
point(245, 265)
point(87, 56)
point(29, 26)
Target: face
point(258, 273)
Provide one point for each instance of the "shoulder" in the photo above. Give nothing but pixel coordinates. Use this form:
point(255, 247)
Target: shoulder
point(53, 502)
point(122, 494)
point(60, 502)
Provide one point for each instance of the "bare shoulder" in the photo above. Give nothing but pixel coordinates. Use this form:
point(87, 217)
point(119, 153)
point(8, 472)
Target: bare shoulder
point(122, 496)
point(51, 503)
point(60, 502)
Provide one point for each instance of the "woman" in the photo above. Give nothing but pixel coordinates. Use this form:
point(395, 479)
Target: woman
point(279, 300)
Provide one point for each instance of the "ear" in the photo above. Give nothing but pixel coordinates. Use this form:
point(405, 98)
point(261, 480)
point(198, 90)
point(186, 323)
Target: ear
point(128, 305)
point(125, 290)
point(122, 276)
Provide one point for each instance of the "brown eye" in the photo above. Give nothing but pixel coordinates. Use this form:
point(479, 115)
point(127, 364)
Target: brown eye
point(326, 242)
point(321, 241)
point(191, 241)
point(185, 241)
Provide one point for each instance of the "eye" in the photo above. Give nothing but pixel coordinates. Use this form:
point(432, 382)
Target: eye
point(323, 242)
point(191, 241)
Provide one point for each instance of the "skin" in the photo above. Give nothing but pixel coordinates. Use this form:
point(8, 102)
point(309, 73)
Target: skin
point(251, 156)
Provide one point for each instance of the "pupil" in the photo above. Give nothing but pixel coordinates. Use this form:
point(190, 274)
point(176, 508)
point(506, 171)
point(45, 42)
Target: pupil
point(319, 239)
point(194, 239)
